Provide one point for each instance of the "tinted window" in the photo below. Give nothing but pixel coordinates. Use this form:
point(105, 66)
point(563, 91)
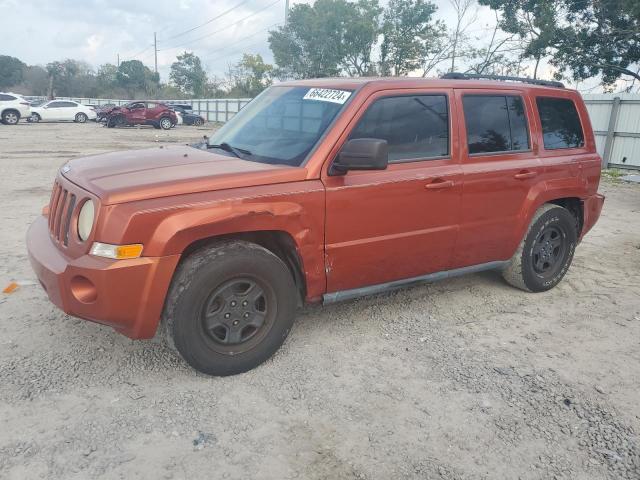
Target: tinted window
point(561, 126)
point(55, 104)
point(68, 104)
point(413, 126)
point(6, 98)
point(495, 123)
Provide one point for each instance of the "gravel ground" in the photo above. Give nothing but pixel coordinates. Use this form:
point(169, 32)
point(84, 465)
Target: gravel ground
point(463, 379)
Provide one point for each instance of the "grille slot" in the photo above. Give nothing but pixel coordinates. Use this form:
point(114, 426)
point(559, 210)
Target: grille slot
point(61, 208)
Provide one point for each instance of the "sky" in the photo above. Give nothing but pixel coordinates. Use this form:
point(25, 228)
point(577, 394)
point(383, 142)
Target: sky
point(97, 31)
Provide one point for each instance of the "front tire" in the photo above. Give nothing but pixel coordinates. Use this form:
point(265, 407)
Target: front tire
point(81, 118)
point(34, 118)
point(230, 307)
point(546, 251)
point(198, 122)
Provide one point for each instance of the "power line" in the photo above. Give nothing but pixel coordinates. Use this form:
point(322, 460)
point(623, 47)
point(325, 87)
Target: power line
point(208, 21)
point(240, 40)
point(222, 29)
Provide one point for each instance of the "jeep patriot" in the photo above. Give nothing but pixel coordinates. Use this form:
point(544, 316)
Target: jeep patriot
point(320, 191)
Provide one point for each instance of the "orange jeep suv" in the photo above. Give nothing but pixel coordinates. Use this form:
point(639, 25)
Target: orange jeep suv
point(320, 191)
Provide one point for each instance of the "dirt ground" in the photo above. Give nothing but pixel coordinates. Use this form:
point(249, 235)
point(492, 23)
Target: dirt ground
point(463, 379)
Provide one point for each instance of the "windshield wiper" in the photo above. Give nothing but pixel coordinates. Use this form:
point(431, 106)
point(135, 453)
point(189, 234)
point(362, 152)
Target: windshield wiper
point(228, 148)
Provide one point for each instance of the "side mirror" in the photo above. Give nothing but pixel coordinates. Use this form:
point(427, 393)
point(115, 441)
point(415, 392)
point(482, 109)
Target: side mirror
point(361, 154)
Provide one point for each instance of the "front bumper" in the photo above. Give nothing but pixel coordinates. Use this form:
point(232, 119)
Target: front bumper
point(592, 208)
point(127, 295)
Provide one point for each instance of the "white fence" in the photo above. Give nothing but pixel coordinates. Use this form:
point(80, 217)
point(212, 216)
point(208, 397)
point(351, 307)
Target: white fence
point(616, 123)
point(212, 109)
point(615, 119)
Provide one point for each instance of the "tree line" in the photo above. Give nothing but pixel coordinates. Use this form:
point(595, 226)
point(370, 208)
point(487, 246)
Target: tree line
point(580, 39)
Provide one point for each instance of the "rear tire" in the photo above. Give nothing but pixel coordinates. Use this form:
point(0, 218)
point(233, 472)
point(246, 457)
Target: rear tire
point(165, 123)
point(546, 251)
point(230, 307)
point(81, 118)
point(10, 117)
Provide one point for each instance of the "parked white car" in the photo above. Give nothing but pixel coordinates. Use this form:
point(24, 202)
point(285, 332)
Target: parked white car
point(13, 107)
point(62, 110)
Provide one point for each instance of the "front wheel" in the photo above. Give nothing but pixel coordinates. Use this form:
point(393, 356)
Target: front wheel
point(545, 253)
point(230, 307)
point(81, 118)
point(198, 122)
point(165, 123)
point(34, 118)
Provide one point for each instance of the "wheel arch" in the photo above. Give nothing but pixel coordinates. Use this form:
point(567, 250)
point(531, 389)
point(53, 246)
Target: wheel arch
point(278, 242)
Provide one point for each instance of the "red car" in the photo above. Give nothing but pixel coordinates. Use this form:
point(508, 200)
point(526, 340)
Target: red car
point(142, 113)
point(320, 191)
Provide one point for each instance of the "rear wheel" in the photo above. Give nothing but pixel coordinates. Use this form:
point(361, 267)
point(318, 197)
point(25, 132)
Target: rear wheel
point(165, 123)
point(545, 254)
point(81, 118)
point(10, 117)
point(230, 307)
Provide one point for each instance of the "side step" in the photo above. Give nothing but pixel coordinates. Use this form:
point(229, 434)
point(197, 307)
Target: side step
point(408, 282)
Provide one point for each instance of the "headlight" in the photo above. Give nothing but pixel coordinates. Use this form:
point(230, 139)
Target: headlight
point(85, 220)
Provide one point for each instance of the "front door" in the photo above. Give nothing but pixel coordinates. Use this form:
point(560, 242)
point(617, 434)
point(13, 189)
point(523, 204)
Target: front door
point(500, 165)
point(401, 222)
point(138, 112)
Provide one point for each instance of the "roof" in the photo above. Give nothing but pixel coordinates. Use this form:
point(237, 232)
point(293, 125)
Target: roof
point(410, 82)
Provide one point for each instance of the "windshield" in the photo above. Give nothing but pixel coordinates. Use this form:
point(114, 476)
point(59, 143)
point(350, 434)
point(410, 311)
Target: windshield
point(282, 125)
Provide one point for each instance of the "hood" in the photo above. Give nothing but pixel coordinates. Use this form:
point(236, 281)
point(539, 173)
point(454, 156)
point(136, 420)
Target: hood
point(132, 175)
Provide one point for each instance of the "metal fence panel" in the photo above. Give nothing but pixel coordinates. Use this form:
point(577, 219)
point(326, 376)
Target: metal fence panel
point(615, 119)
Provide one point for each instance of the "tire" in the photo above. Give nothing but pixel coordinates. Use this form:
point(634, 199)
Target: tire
point(115, 121)
point(34, 118)
point(546, 251)
point(198, 122)
point(230, 307)
point(165, 123)
point(10, 117)
point(81, 118)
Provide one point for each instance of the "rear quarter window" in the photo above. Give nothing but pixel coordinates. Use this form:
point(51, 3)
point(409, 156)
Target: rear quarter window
point(561, 127)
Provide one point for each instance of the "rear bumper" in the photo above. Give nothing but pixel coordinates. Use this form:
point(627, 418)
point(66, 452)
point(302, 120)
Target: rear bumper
point(592, 208)
point(127, 295)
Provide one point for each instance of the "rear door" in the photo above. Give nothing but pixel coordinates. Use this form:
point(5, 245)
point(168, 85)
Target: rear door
point(401, 222)
point(500, 166)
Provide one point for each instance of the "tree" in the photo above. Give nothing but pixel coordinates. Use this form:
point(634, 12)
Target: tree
point(133, 76)
point(250, 76)
point(11, 71)
point(410, 34)
point(310, 44)
point(362, 27)
point(107, 76)
point(584, 37)
point(188, 75)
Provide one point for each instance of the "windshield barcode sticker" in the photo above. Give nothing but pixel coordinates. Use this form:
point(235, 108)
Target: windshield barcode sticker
point(327, 95)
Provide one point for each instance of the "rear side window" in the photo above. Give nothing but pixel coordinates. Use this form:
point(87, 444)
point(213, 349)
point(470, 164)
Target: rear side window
point(495, 123)
point(561, 127)
point(415, 127)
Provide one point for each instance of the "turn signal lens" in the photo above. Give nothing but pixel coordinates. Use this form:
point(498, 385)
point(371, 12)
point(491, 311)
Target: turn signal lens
point(117, 252)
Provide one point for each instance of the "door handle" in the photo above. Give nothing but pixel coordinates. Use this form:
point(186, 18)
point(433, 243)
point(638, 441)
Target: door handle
point(439, 183)
point(525, 174)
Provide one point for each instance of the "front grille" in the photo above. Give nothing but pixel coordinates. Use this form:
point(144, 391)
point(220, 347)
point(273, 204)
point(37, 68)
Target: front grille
point(61, 208)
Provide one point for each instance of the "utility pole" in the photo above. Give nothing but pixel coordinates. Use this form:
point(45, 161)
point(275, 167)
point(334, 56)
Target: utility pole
point(155, 50)
point(118, 61)
point(286, 12)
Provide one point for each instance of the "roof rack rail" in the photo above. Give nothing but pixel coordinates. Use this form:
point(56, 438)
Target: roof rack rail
point(474, 76)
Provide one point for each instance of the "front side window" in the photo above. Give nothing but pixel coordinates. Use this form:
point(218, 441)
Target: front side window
point(6, 98)
point(280, 126)
point(495, 123)
point(415, 127)
point(561, 126)
point(55, 105)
